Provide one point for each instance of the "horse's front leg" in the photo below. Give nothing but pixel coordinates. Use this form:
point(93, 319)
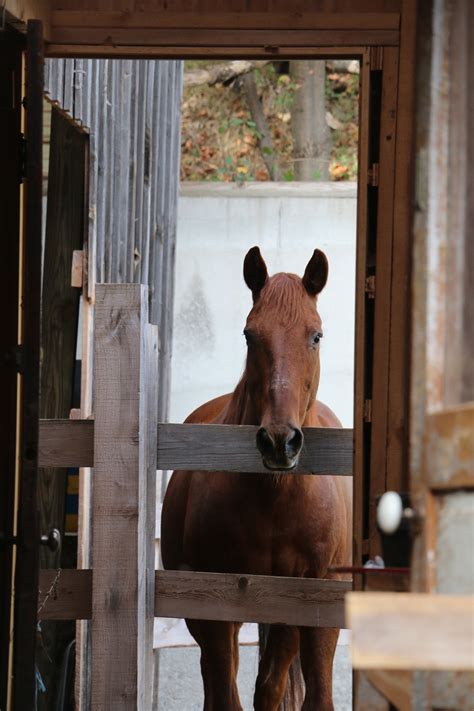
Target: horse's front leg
point(317, 648)
point(219, 663)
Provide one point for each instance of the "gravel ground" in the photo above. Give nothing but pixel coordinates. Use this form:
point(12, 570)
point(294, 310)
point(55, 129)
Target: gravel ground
point(180, 685)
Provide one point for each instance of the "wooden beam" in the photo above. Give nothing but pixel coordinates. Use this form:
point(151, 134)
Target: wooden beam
point(226, 20)
point(250, 598)
point(233, 448)
point(18, 12)
point(122, 641)
point(65, 595)
point(411, 631)
point(216, 596)
point(94, 51)
point(140, 37)
point(68, 443)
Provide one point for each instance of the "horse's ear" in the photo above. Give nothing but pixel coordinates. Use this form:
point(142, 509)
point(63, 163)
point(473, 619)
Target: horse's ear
point(316, 273)
point(255, 271)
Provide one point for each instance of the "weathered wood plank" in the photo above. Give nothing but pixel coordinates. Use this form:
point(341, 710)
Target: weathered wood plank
point(147, 505)
point(411, 631)
point(119, 506)
point(69, 443)
point(250, 598)
point(449, 450)
point(227, 20)
point(232, 448)
point(216, 596)
point(65, 596)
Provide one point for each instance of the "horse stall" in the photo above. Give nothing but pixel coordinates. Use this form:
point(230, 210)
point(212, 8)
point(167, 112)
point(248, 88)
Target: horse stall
point(413, 387)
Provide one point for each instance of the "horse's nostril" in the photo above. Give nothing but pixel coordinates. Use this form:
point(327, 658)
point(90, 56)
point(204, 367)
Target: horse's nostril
point(294, 442)
point(264, 441)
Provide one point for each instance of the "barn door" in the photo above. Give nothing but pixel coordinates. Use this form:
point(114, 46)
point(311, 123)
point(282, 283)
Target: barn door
point(26, 528)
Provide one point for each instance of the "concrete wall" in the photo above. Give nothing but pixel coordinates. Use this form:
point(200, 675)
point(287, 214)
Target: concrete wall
point(217, 224)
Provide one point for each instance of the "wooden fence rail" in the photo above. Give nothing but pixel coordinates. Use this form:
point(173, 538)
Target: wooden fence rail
point(67, 443)
point(123, 592)
point(209, 596)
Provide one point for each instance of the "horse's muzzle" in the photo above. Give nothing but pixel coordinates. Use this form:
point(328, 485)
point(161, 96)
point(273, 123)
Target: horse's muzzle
point(280, 446)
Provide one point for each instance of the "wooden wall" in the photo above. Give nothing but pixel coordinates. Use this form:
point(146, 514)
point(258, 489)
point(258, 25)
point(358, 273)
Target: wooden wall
point(132, 111)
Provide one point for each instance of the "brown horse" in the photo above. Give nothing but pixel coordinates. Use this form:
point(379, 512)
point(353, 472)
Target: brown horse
point(267, 524)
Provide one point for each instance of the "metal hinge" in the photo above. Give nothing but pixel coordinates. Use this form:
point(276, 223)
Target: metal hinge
point(373, 175)
point(367, 410)
point(370, 287)
point(22, 149)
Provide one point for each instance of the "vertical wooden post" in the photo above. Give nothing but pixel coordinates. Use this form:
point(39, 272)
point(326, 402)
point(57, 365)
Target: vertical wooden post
point(125, 364)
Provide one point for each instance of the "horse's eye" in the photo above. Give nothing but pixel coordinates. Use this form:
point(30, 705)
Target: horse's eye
point(316, 338)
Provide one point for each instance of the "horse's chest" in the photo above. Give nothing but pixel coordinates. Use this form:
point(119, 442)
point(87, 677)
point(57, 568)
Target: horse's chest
point(251, 529)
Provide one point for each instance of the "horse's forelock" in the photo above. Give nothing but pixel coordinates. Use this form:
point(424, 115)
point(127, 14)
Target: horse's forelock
point(283, 297)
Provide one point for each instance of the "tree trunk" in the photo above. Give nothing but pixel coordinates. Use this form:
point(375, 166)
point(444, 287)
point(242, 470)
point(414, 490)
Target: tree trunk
point(256, 110)
point(311, 133)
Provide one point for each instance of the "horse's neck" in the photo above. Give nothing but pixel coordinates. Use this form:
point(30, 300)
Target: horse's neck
point(238, 410)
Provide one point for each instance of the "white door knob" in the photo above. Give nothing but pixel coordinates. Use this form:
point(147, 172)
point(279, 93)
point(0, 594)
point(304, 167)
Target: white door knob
point(389, 512)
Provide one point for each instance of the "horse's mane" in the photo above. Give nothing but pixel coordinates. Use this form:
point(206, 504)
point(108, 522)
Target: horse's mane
point(283, 294)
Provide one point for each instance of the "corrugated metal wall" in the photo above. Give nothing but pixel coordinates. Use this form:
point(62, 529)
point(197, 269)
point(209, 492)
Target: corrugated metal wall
point(132, 110)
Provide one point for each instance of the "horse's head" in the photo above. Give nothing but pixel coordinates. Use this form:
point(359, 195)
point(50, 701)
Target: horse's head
point(283, 331)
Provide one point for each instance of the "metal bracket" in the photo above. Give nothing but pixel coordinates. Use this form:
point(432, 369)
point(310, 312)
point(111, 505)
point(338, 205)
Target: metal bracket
point(370, 287)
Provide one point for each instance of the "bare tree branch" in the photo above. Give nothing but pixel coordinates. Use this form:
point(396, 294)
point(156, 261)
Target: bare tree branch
point(256, 110)
point(221, 73)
